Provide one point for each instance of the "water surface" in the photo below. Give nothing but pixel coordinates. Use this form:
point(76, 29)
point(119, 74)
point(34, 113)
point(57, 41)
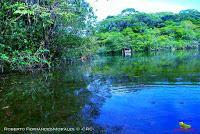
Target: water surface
point(145, 93)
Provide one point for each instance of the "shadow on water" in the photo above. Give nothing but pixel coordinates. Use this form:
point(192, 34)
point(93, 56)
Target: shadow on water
point(113, 94)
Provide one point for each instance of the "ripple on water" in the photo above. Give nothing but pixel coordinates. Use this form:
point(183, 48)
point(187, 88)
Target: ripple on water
point(151, 108)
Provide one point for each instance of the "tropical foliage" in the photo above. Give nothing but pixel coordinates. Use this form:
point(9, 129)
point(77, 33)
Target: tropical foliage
point(146, 32)
point(33, 33)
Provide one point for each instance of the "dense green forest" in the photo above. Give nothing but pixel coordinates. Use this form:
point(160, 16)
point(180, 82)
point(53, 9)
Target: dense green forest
point(149, 32)
point(34, 33)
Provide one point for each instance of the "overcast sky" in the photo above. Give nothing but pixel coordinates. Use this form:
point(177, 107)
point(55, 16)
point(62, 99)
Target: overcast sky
point(104, 8)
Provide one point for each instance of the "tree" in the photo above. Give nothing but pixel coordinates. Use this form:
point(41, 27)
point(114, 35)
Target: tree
point(150, 32)
point(128, 11)
point(30, 30)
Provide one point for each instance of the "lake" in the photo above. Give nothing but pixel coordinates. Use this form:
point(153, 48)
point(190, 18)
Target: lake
point(148, 93)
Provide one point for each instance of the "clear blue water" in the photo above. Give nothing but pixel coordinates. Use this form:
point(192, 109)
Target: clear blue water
point(142, 94)
point(152, 110)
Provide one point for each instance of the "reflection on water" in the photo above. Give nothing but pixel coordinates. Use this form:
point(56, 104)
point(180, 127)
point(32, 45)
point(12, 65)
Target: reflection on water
point(146, 93)
point(152, 109)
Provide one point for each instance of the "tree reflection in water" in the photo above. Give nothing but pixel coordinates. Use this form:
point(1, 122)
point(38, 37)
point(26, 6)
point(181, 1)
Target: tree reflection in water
point(73, 95)
point(61, 98)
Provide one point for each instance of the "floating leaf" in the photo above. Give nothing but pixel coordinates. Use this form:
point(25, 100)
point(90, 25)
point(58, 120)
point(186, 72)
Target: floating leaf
point(184, 126)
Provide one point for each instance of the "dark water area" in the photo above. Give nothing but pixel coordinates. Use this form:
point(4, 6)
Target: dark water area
point(142, 94)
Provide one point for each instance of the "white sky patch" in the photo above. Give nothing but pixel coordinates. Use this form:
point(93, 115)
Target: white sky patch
point(104, 8)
